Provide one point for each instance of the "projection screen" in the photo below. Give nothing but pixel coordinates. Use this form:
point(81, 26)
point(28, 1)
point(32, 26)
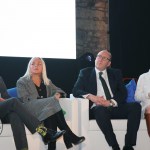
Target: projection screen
point(44, 28)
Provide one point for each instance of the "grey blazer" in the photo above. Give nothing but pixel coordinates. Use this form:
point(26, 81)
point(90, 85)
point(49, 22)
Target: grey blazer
point(40, 108)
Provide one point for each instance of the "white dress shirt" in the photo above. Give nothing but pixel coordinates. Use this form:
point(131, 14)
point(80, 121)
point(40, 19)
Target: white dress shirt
point(100, 90)
point(142, 90)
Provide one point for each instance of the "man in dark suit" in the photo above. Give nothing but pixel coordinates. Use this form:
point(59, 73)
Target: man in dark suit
point(107, 100)
point(13, 111)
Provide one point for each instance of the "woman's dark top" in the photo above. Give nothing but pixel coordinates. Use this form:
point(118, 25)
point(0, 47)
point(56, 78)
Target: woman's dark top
point(41, 90)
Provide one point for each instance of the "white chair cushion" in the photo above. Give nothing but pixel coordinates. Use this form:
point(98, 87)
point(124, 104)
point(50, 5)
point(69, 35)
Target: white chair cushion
point(118, 125)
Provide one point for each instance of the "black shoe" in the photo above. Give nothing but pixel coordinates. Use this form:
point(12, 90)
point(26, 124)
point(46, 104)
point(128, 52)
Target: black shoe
point(116, 147)
point(79, 140)
point(76, 142)
point(52, 136)
point(69, 145)
point(128, 148)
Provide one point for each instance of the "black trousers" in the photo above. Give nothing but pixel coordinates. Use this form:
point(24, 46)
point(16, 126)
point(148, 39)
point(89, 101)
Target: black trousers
point(17, 115)
point(51, 123)
point(129, 111)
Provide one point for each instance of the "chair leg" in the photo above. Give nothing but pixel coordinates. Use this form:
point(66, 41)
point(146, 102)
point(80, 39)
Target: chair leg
point(147, 119)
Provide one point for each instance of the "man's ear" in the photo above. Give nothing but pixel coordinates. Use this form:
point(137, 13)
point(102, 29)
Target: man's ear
point(109, 64)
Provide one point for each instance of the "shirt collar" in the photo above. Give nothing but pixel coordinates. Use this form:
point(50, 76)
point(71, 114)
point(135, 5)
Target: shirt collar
point(97, 71)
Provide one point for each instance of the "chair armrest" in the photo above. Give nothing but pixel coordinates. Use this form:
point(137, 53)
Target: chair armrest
point(70, 106)
point(83, 105)
point(77, 111)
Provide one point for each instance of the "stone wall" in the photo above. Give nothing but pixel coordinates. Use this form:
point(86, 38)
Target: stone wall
point(91, 26)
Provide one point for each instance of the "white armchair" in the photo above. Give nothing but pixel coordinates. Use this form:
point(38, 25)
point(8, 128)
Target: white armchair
point(71, 116)
point(34, 141)
point(94, 137)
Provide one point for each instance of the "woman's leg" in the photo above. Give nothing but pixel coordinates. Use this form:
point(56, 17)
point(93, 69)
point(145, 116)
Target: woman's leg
point(69, 136)
point(50, 123)
point(147, 119)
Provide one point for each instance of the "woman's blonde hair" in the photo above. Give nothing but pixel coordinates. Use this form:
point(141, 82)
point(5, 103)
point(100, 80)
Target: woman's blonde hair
point(44, 72)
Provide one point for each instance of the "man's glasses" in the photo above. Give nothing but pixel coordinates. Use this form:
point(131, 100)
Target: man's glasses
point(103, 58)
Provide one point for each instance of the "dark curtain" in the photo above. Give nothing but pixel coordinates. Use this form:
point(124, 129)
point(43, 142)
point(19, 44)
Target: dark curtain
point(129, 36)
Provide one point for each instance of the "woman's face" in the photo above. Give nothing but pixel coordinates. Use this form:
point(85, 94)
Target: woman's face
point(36, 66)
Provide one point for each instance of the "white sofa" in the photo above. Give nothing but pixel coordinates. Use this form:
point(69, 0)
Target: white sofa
point(7, 141)
point(35, 141)
point(95, 139)
point(77, 118)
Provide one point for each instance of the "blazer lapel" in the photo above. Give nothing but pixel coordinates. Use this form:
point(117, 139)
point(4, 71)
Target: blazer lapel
point(32, 87)
point(111, 80)
point(48, 91)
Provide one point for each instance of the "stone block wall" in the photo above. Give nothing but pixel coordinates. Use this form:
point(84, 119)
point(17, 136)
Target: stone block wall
point(91, 26)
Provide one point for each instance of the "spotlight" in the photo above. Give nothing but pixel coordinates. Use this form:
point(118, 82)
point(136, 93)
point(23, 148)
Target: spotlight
point(86, 60)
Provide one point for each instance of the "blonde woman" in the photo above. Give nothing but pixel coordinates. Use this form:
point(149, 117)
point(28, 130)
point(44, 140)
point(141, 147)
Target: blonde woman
point(41, 97)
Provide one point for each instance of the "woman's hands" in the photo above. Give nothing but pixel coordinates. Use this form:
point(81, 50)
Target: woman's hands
point(57, 96)
point(1, 99)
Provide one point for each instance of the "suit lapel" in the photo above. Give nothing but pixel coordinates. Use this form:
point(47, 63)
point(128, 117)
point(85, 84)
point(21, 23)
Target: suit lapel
point(93, 82)
point(110, 79)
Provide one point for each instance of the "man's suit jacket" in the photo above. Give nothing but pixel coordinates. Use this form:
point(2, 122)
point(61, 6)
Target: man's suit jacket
point(3, 89)
point(86, 83)
point(5, 95)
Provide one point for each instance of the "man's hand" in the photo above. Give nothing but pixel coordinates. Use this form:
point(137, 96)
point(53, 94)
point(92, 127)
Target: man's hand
point(1, 99)
point(105, 103)
point(99, 100)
